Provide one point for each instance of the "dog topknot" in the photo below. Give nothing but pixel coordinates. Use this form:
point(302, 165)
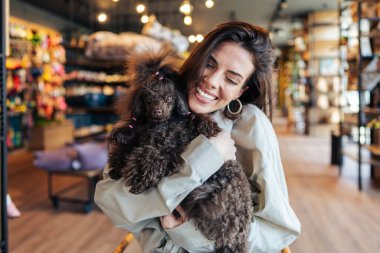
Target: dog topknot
point(141, 68)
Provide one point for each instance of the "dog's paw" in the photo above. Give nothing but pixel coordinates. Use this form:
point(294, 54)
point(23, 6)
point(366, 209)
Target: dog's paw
point(131, 176)
point(208, 128)
point(144, 169)
point(114, 174)
point(139, 188)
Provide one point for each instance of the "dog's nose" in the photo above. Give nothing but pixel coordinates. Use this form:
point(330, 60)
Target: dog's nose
point(157, 111)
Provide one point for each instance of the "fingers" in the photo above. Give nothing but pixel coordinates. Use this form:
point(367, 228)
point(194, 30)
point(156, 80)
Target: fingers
point(225, 145)
point(168, 221)
point(182, 212)
point(171, 221)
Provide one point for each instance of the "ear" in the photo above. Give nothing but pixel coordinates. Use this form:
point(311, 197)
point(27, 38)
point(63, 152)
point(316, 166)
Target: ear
point(138, 106)
point(181, 105)
point(242, 91)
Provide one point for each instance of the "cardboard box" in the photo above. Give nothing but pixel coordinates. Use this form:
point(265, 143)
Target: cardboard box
point(51, 136)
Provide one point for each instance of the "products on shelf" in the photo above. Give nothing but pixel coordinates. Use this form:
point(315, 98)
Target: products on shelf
point(110, 46)
point(156, 30)
point(35, 74)
point(92, 76)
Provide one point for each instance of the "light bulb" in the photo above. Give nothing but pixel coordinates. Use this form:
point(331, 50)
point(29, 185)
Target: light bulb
point(209, 3)
point(187, 20)
point(199, 37)
point(102, 17)
point(186, 8)
point(144, 19)
point(140, 8)
point(192, 38)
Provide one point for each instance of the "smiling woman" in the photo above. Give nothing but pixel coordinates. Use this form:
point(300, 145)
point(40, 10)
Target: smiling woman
point(223, 79)
point(234, 62)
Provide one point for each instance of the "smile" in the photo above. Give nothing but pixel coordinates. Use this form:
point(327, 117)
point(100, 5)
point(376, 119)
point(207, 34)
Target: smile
point(205, 95)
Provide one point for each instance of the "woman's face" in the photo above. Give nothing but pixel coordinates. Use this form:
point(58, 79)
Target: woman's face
point(228, 68)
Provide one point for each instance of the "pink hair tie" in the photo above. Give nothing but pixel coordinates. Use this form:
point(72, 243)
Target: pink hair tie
point(159, 75)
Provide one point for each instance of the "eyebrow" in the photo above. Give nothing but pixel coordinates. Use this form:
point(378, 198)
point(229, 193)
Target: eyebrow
point(212, 58)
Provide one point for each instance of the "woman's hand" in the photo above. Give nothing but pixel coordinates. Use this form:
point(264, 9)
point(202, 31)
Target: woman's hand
point(225, 145)
point(176, 218)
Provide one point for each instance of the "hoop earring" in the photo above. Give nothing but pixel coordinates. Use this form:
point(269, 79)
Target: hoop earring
point(239, 108)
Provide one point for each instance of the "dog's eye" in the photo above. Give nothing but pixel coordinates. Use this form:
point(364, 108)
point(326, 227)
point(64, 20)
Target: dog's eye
point(169, 99)
point(148, 100)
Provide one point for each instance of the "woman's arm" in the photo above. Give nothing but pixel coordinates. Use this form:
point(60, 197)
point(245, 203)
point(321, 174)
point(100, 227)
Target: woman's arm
point(127, 210)
point(137, 213)
point(274, 224)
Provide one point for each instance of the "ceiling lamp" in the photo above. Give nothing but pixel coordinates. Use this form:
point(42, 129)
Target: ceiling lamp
point(140, 8)
point(192, 38)
point(187, 20)
point(102, 17)
point(284, 4)
point(144, 19)
point(115, 1)
point(199, 37)
point(209, 3)
point(186, 7)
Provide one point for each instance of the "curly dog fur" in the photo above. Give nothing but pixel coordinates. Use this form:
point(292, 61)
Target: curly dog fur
point(148, 147)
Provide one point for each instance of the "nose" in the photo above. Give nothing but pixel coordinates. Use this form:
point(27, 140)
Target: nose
point(157, 111)
point(212, 80)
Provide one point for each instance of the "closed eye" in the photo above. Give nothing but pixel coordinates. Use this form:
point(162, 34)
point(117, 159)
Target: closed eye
point(210, 66)
point(232, 81)
point(211, 63)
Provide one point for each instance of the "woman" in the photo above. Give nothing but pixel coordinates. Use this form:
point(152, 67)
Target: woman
point(229, 76)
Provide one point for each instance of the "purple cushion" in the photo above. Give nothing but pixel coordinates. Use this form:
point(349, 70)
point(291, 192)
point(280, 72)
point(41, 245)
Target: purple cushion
point(85, 156)
point(92, 155)
point(55, 160)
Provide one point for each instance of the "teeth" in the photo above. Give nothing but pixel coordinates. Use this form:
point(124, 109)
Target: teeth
point(205, 95)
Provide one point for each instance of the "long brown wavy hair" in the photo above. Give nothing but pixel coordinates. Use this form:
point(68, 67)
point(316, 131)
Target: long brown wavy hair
point(256, 41)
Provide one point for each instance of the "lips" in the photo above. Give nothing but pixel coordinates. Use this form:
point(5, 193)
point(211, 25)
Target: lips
point(205, 95)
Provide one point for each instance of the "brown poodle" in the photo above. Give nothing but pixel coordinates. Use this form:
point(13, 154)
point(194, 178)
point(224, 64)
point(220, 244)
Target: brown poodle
point(148, 147)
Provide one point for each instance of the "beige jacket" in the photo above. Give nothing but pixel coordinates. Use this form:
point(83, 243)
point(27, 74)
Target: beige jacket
point(273, 227)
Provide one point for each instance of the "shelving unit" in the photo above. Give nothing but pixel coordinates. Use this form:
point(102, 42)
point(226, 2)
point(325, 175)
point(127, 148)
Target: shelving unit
point(358, 53)
point(323, 46)
point(35, 71)
point(293, 85)
point(92, 86)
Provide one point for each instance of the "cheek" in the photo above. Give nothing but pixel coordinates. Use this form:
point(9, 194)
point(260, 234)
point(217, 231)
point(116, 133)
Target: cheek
point(191, 101)
point(232, 93)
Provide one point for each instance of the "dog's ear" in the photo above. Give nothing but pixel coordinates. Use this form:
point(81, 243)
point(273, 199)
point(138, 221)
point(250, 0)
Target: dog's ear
point(138, 105)
point(181, 106)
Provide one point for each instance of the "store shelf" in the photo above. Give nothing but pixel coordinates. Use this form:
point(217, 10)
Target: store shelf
point(86, 63)
point(100, 83)
point(371, 111)
point(363, 73)
point(14, 114)
point(374, 19)
point(351, 151)
point(89, 132)
point(97, 109)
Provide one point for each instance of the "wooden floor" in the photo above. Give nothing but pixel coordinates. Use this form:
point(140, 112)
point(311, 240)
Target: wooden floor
point(335, 216)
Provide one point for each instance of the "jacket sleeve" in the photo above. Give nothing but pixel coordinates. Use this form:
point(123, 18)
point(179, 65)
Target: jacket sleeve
point(134, 212)
point(274, 225)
